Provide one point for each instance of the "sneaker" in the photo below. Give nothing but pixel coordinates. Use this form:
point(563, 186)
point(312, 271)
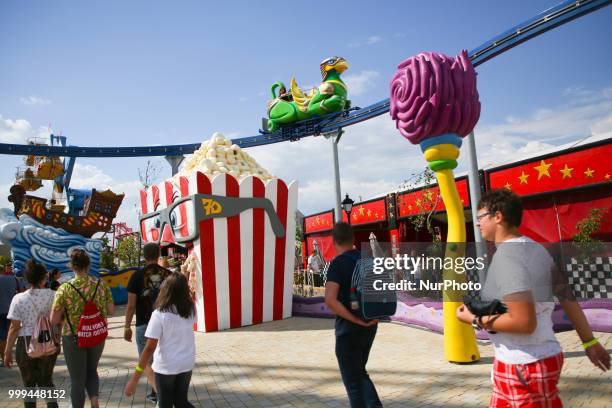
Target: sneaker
point(152, 397)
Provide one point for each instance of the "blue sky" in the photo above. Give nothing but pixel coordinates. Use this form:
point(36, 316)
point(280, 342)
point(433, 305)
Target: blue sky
point(118, 73)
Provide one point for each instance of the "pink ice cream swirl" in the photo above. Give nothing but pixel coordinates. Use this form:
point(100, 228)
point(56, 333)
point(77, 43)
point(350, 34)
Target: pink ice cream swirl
point(434, 94)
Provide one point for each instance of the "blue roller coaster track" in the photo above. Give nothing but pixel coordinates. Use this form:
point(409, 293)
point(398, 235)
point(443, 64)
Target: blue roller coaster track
point(539, 24)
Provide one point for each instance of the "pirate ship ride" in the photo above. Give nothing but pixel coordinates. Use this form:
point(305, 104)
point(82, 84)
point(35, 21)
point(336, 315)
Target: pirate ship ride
point(89, 211)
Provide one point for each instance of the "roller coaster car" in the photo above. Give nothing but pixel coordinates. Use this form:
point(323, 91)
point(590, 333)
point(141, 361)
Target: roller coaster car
point(49, 168)
point(27, 180)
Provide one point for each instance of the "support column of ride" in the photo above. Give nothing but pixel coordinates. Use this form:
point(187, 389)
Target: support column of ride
point(475, 193)
point(334, 138)
point(175, 162)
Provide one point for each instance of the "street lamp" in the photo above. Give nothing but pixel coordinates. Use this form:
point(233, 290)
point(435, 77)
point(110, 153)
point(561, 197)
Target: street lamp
point(347, 206)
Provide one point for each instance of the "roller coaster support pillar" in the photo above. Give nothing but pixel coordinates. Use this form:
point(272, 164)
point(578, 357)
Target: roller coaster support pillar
point(175, 162)
point(334, 137)
point(475, 192)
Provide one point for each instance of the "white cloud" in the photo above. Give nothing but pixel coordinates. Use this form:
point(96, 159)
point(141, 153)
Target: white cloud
point(87, 175)
point(90, 176)
point(585, 112)
point(603, 127)
point(19, 131)
point(579, 95)
point(34, 100)
point(373, 39)
point(243, 99)
point(360, 83)
point(4, 193)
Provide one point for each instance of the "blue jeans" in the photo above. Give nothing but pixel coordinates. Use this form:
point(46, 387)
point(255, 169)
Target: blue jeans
point(352, 352)
point(141, 340)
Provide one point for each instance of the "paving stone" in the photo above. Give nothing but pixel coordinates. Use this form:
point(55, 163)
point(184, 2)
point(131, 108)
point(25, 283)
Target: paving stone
point(291, 363)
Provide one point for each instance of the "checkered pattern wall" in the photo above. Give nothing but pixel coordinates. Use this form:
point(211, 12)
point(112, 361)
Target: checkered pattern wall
point(592, 280)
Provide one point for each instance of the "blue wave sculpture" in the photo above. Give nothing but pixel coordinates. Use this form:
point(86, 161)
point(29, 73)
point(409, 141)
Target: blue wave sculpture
point(50, 246)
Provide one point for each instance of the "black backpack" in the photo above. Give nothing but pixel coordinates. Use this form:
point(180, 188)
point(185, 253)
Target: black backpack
point(149, 293)
point(373, 304)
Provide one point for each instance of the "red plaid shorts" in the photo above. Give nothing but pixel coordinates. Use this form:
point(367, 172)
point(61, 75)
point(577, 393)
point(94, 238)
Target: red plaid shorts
point(532, 385)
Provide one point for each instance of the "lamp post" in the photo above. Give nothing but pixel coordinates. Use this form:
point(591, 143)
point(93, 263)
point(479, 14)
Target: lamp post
point(347, 206)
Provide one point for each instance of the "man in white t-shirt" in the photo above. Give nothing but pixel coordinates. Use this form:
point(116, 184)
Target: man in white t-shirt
point(528, 357)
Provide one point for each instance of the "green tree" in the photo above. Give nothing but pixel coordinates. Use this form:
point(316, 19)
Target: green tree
point(586, 228)
point(128, 251)
point(4, 262)
point(427, 203)
point(107, 257)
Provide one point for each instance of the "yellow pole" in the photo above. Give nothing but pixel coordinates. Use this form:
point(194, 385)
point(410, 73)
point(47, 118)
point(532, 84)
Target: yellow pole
point(459, 338)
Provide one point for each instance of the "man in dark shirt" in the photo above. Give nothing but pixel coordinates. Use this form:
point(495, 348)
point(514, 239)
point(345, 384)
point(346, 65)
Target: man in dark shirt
point(354, 336)
point(143, 288)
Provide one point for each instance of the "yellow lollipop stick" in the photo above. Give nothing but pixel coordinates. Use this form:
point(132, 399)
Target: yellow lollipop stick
point(459, 338)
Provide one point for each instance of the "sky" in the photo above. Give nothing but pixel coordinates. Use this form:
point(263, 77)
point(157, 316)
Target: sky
point(135, 73)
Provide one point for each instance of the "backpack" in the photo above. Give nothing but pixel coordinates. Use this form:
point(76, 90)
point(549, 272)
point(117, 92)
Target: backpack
point(92, 328)
point(151, 288)
point(372, 303)
point(42, 342)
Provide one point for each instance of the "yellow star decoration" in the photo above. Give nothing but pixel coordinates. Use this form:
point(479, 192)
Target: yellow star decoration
point(543, 169)
point(409, 207)
point(567, 172)
point(508, 186)
point(428, 195)
point(376, 215)
point(369, 213)
point(523, 177)
point(354, 216)
point(607, 177)
point(589, 173)
point(318, 220)
point(361, 210)
point(418, 202)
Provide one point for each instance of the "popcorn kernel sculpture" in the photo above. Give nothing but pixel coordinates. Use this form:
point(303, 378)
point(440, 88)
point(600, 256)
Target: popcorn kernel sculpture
point(434, 103)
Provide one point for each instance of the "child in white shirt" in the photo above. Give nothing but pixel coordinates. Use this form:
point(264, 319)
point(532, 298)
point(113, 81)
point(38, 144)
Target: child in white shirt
point(171, 340)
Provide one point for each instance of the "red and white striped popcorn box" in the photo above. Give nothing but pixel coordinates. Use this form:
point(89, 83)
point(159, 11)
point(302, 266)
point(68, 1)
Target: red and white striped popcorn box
point(244, 271)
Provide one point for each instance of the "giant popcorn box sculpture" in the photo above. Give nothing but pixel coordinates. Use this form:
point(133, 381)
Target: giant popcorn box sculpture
point(239, 224)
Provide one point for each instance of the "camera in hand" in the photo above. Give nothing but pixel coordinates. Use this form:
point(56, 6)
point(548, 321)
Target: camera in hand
point(484, 307)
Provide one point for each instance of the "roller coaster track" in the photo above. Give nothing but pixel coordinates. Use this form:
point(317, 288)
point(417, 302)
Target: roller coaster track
point(539, 24)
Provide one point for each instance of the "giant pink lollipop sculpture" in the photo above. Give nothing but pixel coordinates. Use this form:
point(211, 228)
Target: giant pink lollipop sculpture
point(434, 103)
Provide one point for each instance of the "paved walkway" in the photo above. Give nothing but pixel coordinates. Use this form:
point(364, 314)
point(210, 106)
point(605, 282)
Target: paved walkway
point(291, 363)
